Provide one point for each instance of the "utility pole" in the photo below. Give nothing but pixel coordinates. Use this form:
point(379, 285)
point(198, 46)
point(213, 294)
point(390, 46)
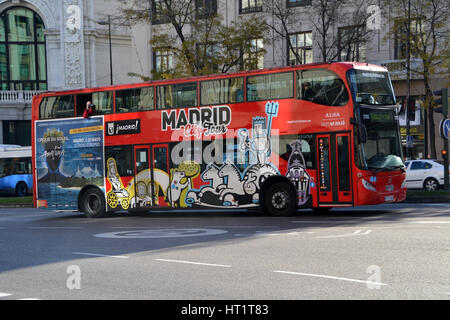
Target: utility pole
point(408, 82)
point(102, 23)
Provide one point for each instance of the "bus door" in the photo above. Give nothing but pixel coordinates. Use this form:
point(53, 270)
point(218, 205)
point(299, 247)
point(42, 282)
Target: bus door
point(151, 180)
point(334, 169)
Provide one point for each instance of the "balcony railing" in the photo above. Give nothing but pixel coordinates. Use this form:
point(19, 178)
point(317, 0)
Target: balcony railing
point(17, 96)
point(397, 68)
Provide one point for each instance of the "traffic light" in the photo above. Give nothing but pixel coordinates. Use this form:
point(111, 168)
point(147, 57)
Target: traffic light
point(411, 114)
point(442, 101)
point(444, 153)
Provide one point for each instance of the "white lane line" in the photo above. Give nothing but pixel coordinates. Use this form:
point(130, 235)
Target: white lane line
point(356, 233)
point(242, 226)
point(142, 227)
point(4, 295)
point(28, 299)
point(41, 228)
point(197, 263)
point(330, 277)
point(430, 222)
point(99, 255)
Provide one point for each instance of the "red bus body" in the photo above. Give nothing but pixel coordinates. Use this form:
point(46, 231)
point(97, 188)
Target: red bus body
point(330, 132)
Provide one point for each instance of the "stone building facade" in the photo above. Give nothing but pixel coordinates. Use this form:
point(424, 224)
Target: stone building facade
point(77, 52)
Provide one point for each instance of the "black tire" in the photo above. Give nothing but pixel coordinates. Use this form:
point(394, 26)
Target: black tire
point(21, 189)
point(279, 200)
point(93, 203)
point(431, 184)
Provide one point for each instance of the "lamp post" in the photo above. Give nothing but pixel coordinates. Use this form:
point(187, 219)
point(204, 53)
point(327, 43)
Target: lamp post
point(104, 23)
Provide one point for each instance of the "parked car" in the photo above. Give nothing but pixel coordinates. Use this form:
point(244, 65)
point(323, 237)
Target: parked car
point(424, 174)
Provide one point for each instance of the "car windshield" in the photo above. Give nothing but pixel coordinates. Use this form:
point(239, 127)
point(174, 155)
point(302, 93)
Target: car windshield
point(371, 87)
point(382, 150)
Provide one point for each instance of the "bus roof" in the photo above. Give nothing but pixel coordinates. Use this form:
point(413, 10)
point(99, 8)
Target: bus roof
point(349, 65)
point(14, 151)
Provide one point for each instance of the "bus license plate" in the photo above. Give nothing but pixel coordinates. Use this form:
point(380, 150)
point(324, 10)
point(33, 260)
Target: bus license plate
point(388, 198)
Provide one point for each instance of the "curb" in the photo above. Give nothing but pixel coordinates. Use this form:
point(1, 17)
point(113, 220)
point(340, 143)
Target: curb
point(5, 206)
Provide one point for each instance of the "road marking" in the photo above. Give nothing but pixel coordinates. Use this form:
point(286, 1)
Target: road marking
point(161, 233)
point(331, 277)
point(430, 222)
point(293, 233)
point(28, 299)
point(356, 233)
point(39, 228)
point(4, 295)
point(99, 255)
point(243, 227)
point(197, 263)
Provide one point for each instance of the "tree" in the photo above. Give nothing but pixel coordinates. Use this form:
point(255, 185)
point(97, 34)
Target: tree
point(427, 39)
point(325, 16)
point(192, 31)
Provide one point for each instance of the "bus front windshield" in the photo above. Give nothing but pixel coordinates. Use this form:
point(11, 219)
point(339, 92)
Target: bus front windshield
point(382, 149)
point(371, 87)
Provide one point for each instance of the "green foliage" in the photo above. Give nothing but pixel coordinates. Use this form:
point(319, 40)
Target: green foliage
point(199, 46)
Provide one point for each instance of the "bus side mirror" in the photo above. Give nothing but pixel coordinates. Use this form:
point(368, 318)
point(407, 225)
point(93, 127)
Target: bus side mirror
point(362, 133)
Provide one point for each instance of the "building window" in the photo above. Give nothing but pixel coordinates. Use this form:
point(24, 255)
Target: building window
point(352, 46)
point(162, 60)
point(250, 6)
point(401, 37)
point(205, 8)
point(22, 50)
point(159, 12)
point(207, 55)
point(254, 56)
point(297, 3)
point(301, 51)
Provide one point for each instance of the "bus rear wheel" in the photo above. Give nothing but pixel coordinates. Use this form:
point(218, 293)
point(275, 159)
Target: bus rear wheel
point(280, 200)
point(93, 203)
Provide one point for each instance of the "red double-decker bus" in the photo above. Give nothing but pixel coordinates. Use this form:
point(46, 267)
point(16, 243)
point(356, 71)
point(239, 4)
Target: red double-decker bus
point(310, 136)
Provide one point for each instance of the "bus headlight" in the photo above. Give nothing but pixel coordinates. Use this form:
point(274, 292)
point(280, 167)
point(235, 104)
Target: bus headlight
point(368, 185)
point(403, 184)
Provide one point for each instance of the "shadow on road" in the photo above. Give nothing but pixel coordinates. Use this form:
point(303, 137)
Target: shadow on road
point(53, 238)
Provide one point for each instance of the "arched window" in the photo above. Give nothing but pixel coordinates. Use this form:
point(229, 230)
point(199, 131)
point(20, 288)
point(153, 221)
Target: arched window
point(22, 50)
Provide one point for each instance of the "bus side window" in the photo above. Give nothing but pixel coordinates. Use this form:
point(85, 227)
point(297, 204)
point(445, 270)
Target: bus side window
point(221, 91)
point(57, 107)
point(322, 87)
point(103, 101)
point(270, 86)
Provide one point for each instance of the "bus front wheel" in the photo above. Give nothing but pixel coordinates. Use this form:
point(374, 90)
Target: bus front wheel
point(21, 189)
point(93, 203)
point(280, 200)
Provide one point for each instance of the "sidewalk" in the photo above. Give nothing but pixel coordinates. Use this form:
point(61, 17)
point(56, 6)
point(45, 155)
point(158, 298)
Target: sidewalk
point(421, 196)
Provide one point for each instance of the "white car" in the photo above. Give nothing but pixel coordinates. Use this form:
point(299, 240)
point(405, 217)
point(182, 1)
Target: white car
point(424, 174)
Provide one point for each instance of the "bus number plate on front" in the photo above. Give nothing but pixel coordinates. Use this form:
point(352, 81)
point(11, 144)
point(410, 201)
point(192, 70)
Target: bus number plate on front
point(389, 198)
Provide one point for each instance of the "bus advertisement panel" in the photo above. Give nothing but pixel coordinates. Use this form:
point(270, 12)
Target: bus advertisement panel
point(69, 156)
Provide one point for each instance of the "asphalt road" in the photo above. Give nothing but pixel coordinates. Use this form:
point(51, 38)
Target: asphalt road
point(399, 251)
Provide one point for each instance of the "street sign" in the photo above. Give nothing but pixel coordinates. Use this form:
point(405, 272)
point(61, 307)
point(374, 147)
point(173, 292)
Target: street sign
point(409, 141)
point(445, 128)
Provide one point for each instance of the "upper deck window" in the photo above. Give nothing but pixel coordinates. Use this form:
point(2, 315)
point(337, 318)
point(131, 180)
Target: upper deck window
point(132, 100)
point(321, 86)
point(270, 86)
point(222, 91)
point(180, 95)
point(57, 107)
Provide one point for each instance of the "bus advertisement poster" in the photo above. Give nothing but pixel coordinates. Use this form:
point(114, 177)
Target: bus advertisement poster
point(69, 156)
